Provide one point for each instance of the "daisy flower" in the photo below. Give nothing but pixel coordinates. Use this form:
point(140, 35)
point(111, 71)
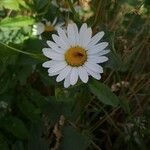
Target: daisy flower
point(64, 6)
point(75, 54)
point(45, 26)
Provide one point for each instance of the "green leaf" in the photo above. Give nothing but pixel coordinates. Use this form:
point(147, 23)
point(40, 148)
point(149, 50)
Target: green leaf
point(23, 3)
point(23, 72)
point(5, 81)
point(18, 145)
point(130, 2)
point(55, 109)
point(37, 142)
point(115, 62)
point(39, 4)
point(13, 4)
point(14, 126)
point(28, 109)
point(73, 139)
point(10, 4)
point(133, 56)
point(16, 22)
point(3, 143)
point(103, 93)
point(125, 105)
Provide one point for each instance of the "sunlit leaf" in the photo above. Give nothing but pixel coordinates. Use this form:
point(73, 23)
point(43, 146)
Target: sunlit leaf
point(10, 4)
point(16, 22)
point(13, 4)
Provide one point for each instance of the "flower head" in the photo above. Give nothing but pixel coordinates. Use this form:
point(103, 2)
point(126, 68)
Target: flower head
point(64, 6)
point(75, 54)
point(45, 26)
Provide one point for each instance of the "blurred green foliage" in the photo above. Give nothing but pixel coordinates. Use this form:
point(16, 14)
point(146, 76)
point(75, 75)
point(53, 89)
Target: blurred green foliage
point(36, 113)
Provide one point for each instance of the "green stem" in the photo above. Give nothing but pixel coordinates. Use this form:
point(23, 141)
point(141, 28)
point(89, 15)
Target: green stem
point(73, 10)
point(37, 56)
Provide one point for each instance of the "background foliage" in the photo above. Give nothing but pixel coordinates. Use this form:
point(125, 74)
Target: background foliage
point(38, 113)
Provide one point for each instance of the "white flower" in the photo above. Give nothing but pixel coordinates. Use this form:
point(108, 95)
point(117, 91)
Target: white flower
point(75, 54)
point(64, 6)
point(40, 27)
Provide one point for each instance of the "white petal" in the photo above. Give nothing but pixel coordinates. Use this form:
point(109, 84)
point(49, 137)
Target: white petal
point(83, 28)
point(67, 81)
point(48, 23)
point(76, 34)
point(40, 37)
point(63, 74)
point(93, 74)
point(34, 33)
point(87, 37)
point(82, 35)
point(55, 47)
point(71, 34)
point(62, 34)
point(50, 63)
point(74, 76)
point(97, 48)
point(103, 52)
point(38, 28)
point(94, 67)
point(103, 59)
point(55, 20)
point(54, 2)
point(57, 67)
point(78, 8)
point(58, 25)
point(97, 59)
point(65, 9)
point(59, 41)
point(54, 73)
point(83, 74)
point(96, 38)
point(47, 64)
point(52, 54)
point(46, 51)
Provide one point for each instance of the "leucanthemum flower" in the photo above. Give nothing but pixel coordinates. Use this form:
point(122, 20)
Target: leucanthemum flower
point(45, 26)
point(75, 54)
point(64, 6)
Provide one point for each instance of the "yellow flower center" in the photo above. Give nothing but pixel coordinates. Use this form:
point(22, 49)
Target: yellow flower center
point(75, 56)
point(49, 28)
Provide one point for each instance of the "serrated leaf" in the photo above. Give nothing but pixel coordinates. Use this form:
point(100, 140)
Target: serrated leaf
point(14, 126)
point(73, 139)
point(16, 22)
point(103, 93)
